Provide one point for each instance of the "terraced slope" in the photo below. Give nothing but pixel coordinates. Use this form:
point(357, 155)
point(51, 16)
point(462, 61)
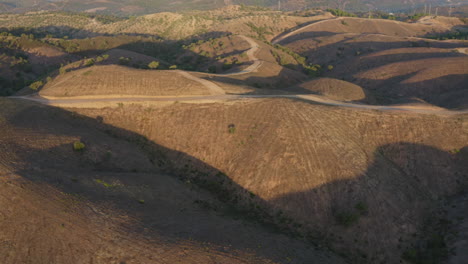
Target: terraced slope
point(166, 25)
point(363, 180)
point(117, 201)
point(440, 81)
point(386, 59)
point(336, 89)
point(112, 80)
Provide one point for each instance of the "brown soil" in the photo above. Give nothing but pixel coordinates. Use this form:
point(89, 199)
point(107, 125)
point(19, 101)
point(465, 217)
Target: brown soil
point(383, 58)
point(269, 75)
point(119, 80)
point(138, 58)
point(335, 89)
point(440, 81)
point(118, 201)
point(319, 164)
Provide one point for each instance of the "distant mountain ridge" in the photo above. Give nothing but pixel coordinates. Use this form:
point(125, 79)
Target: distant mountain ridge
point(129, 7)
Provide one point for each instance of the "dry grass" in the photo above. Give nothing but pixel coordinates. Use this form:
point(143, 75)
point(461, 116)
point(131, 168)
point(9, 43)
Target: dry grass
point(74, 207)
point(313, 161)
point(122, 81)
point(335, 89)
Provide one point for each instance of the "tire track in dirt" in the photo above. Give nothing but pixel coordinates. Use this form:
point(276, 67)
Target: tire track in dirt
point(73, 102)
point(214, 88)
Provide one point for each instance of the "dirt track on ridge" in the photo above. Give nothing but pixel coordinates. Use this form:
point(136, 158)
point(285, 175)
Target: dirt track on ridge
point(74, 102)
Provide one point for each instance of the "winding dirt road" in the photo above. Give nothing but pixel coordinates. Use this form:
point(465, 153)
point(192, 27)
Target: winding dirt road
point(280, 38)
point(218, 94)
point(80, 103)
point(214, 88)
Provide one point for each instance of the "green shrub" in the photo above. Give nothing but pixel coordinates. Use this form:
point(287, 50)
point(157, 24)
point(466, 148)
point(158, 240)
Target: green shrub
point(78, 146)
point(105, 184)
point(346, 219)
point(232, 129)
point(212, 69)
point(36, 85)
point(124, 61)
point(89, 62)
point(153, 65)
point(173, 67)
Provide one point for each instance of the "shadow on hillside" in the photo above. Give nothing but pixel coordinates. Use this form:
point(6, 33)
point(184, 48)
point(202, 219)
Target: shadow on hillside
point(355, 46)
point(284, 80)
point(449, 91)
point(397, 188)
point(374, 215)
point(170, 214)
point(296, 28)
point(358, 63)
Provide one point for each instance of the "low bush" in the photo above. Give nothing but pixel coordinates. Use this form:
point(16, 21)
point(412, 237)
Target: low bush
point(78, 146)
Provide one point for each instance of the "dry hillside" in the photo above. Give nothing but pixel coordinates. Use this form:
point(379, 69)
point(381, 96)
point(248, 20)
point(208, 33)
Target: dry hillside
point(225, 137)
point(364, 181)
point(112, 80)
point(117, 201)
point(167, 25)
point(335, 89)
point(382, 57)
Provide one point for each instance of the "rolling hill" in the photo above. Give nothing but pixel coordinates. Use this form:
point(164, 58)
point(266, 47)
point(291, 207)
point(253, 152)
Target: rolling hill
point(117, 201)
point(352, 178)
point(236, 135)
point(390, 60)
point(141, 7)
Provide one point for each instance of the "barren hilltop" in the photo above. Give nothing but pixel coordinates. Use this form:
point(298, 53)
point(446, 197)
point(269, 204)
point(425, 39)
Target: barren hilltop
point(236, 135)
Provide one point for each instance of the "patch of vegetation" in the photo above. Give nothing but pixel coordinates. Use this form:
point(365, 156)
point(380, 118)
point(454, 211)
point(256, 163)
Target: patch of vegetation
point(433, 251)
point(212, 69)
point(248, 8)
point(153, 65)
point(105, 184)
point(416, 16)
point(348, 218)
point(89, 62)
point(279, 59)
point(261, 31)
point(36, 85)
point(313, 70)
point(232, 129)
point(124, 61)
point(454, 151)
point(340, 13)
point(457, 34)
point(78, 146)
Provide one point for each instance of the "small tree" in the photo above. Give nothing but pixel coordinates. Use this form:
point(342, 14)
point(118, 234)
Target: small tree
point(153, 65)
point(124, 61)
point(78, 146)
point(36, 85)
point(90, 62)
